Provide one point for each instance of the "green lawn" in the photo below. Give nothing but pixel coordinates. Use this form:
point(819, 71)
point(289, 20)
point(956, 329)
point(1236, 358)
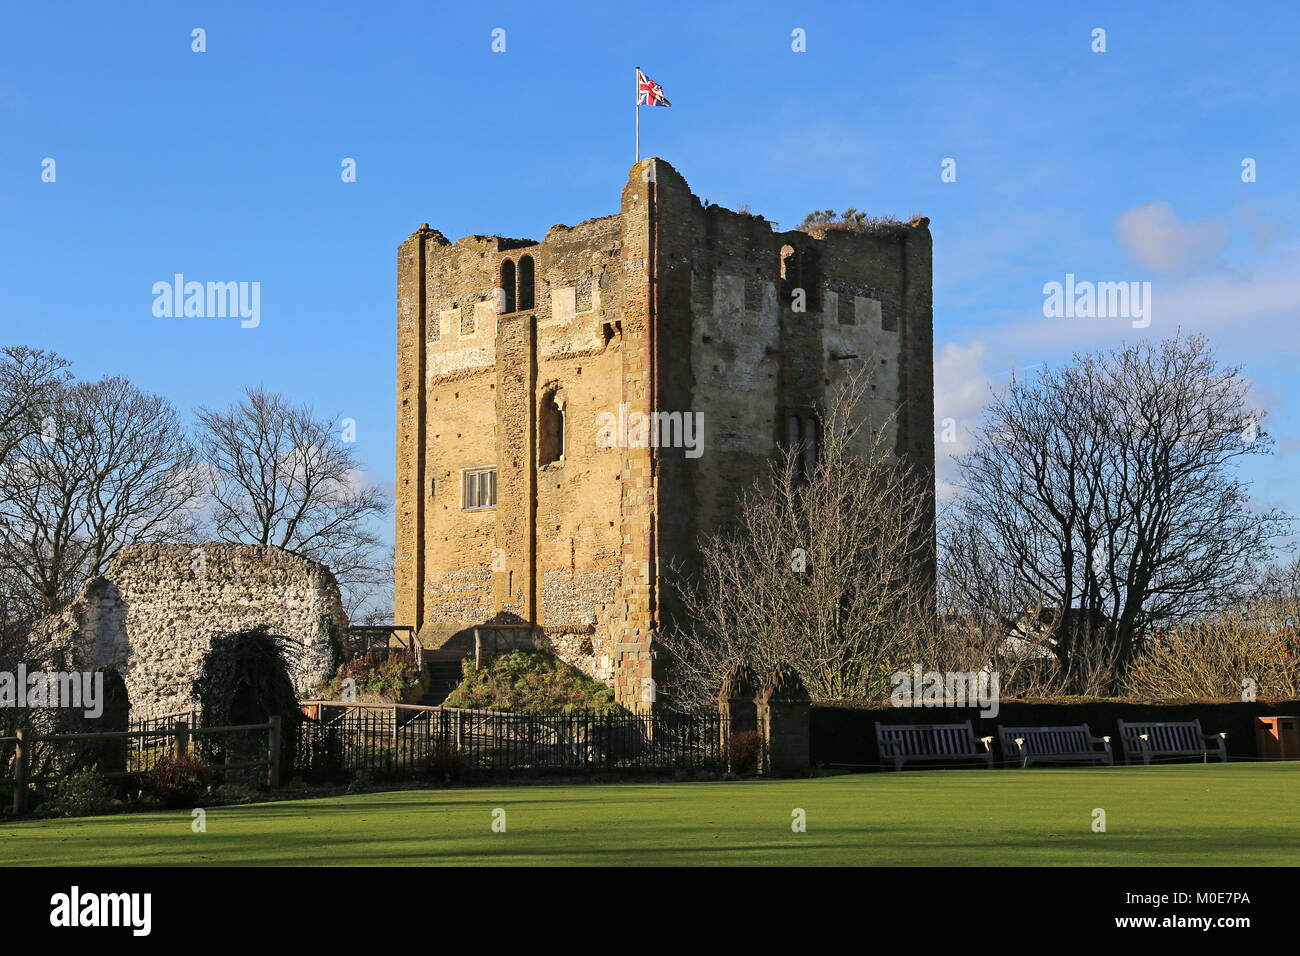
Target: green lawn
point(1218, 815)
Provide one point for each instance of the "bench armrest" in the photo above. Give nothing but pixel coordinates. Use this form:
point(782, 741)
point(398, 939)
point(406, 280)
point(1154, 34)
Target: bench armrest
point(986, 741)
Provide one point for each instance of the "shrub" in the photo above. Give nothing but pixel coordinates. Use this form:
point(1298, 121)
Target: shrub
point(1210, 658)
point(321, 756)
point(244, 679)
point(445, 762)
point(178, 781)
point(529, 682)
point(743, 752)
point(820, 221)
point(81, 795)
point(378, 678)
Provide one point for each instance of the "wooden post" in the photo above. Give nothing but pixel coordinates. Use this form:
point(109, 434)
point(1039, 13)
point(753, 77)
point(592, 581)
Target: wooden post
point(20, 773)
point(273, 753)
point(182, 738)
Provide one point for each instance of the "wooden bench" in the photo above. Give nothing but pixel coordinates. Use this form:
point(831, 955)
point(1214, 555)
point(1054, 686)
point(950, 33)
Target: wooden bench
point(1173, 739)
point(1054, 745)
point(932, 743)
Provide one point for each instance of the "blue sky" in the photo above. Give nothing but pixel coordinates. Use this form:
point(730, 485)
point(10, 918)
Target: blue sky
point(225, 165)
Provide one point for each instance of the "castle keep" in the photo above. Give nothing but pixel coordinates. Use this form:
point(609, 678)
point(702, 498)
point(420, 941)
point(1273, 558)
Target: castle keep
point(520, 507)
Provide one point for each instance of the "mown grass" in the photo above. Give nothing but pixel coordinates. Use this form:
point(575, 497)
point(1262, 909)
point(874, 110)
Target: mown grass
point(1211, 815)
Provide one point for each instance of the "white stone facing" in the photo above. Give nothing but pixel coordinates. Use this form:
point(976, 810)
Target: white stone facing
point(154, 612)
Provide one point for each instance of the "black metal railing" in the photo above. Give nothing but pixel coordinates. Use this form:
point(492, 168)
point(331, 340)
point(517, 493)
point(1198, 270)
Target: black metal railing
point(400, 740)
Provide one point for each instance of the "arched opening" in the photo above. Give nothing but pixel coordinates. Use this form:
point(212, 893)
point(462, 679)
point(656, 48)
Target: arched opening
point(507, 285)
point(789, 273)
point(525, 282)
point(550, 431)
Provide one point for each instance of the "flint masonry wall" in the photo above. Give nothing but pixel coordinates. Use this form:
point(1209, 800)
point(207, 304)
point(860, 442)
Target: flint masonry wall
point(667, 306)
point(154, 612)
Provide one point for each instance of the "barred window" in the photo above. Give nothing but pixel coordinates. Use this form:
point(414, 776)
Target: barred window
point(480, 488)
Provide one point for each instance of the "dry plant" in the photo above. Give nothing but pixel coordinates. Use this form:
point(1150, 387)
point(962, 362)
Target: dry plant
point(821, 572)
point(1250, 650)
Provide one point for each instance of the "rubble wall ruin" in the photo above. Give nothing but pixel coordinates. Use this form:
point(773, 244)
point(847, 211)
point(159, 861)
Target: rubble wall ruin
point(153, 613)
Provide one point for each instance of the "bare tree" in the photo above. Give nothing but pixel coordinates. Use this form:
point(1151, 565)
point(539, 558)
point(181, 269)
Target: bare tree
point(29, 383)
point(1104, 492)
point(110, 466)
point(278, 475)
point(821, 571)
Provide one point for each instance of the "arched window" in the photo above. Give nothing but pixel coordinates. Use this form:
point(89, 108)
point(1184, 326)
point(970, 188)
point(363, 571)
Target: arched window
point(525, 282)
point(789, 272)
point(508, 285)
point(550, 431)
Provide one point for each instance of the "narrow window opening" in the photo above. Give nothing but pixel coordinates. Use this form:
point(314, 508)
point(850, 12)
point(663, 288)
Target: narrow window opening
point(525, 283)
point(551, 428)
point(793, 434)
point(789, 273)
point(809, 448)
point(507, 286)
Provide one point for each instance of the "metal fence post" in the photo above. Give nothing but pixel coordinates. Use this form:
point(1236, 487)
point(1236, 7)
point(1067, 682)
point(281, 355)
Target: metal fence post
point(20, 772)
point(182, 733)
point(273, 752)
point(393, 760)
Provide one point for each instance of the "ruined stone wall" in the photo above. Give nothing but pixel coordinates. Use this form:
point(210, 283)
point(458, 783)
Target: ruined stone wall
point(743, 355)
point(154, 612)
point(667, 306)
point(734, 346)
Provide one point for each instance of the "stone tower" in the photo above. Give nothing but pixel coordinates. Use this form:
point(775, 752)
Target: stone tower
point(528, 495)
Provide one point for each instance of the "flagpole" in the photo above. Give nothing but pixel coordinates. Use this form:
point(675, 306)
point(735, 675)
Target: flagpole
point(636, 108)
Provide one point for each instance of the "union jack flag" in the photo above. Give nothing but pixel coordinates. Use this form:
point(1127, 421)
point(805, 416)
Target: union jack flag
point(648, 92)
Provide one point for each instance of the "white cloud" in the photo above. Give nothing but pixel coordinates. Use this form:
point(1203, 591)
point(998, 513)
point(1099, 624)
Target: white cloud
point(1153, 236)
point(1251, 313)
point(961, 391)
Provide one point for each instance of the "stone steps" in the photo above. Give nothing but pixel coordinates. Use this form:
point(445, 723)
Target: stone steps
point(444, 672)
